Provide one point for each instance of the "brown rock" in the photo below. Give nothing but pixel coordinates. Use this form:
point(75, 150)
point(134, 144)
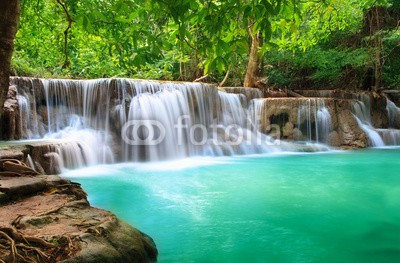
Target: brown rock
point(349, 131)
point(10, 115)
point(60, 217)
point(379, 114)
point(16, 187)
point(297, 134)
point(287, 130)
point(334, 139)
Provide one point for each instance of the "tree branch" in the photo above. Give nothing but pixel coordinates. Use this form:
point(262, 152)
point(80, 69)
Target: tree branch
point(69, 20)
point(200, 79)
point(226, 77)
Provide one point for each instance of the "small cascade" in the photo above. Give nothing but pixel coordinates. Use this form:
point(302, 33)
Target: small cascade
point(314, 120)
point(157, 115)
point(306, 119)
point(378, 137)
point(238, 126)
point(29, 161)
point(24, 111)
point(393, 114)
point(362, 111)
point(374, 138)
point(73, 154)
point(361, 107)
point(246, 94)
point(390, 136)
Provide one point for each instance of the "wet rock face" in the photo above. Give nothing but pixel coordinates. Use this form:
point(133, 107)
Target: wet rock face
point(395, 97)
point(350, 134)
point(249, 93)
point(44, 157)
point(302, 118)
point(334, 139)
point(10, 117)
point(379, 114)
point(298, 118)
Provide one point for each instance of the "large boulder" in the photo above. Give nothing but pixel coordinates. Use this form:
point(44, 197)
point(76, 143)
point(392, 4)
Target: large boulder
point(52, 221)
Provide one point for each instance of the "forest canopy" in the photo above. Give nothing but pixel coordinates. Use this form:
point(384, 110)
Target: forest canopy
point(283, 43)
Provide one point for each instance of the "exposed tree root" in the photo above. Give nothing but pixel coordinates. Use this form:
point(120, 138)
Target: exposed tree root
point(17, 247)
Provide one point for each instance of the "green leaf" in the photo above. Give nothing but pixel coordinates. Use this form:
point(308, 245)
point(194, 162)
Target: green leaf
point(267, 30)
point(87, 25)
point(246, 12)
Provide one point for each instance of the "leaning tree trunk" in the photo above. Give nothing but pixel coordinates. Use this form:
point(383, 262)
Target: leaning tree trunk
point(254, 61)
point(8, 27)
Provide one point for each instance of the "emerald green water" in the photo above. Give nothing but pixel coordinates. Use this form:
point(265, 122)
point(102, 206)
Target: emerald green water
point(327, 207)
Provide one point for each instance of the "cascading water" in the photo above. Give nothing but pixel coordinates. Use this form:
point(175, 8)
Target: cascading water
point(314, 120)
point(239, 126)
point(393, 114)
point(305, 119)
point(391, 136)
point(378, 137)
point(362, 111)
point(24, 110)
point(109, 120)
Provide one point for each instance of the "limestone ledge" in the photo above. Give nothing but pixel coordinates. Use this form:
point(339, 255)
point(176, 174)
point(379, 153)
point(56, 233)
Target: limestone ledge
point(41, 154)
point(343, 131)
point(55, 211)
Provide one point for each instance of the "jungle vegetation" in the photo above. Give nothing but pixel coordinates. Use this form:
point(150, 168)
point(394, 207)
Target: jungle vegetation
point(273, 43)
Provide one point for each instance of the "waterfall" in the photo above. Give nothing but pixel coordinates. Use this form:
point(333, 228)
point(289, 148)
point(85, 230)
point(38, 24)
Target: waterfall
point(305, 119)
point(378, 137)
point(361, 108)
point(24, 110)
point(111, 120)
point(391, 136)
point(239, 125)
point(393, 114)
point(108, 120)
point(373, 135)
point(313, 120)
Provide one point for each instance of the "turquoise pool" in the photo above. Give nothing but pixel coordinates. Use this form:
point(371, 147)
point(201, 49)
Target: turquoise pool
point(317, 207)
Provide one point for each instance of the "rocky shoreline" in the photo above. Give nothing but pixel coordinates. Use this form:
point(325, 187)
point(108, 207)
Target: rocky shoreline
point(45, 218)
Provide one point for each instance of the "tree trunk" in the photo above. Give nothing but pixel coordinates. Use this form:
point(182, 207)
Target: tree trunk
point(378, 50)
point(254, 61)
point(8, 27)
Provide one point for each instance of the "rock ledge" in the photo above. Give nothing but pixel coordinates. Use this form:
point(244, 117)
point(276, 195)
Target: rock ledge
point(48, 219)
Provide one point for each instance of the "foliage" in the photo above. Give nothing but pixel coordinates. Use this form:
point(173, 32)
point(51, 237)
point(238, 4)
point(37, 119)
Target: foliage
point(156, 39)
point(316, 67)
point(334, 48)
point(391, 72)
point(315, 43)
